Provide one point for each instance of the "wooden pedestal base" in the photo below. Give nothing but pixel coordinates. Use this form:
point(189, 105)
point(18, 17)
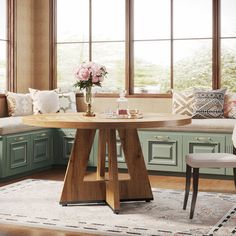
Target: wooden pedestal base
point(111, 190)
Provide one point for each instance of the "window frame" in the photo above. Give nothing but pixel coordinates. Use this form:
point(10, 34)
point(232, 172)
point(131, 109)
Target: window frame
point(129, 49)
point(10, 41)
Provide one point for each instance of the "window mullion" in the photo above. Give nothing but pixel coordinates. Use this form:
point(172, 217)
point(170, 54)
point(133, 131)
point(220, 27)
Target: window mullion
point(216, 45)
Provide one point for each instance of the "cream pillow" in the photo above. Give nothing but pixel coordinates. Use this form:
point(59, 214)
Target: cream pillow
point(67, 102)
point(19, 104)
point(182, 102)
point(45, 101)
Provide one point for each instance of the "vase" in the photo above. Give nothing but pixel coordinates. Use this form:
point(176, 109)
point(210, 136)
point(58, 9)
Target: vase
point(88, 100)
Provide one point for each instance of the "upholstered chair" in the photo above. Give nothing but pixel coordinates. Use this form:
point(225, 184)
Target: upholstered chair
point(195, 161)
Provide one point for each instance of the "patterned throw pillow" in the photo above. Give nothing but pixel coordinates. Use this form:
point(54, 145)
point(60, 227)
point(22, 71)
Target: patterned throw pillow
point(208, 104)
point(230, 106)
point(182, 103)
point(45, 101)
point(19, 104)
point(67, 102)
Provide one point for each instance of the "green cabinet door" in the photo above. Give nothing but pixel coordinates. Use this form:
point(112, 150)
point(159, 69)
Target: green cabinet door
point(204, 143)
point(162, 150)
point(18, 154)
point(64, 140)
point(229, 149)
point(42, 149)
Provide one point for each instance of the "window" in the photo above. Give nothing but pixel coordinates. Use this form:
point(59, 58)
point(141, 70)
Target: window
point(228, 44)
point(97, 35)
point(149, 47)
point(3, 44)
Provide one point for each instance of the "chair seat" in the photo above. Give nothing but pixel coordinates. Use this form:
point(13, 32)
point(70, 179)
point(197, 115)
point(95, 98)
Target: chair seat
point(211, 160)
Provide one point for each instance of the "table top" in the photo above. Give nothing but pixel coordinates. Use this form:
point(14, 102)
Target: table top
point(78, 120)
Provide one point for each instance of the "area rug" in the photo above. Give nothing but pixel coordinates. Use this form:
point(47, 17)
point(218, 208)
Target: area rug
point(34, 203)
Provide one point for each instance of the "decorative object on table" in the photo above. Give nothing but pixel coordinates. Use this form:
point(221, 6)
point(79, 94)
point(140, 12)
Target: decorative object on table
point(88, 75)
point(122, 105)
point(163, 216)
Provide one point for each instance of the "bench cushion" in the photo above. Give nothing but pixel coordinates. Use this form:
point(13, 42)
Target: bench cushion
point(11, 125)
point(223, 125)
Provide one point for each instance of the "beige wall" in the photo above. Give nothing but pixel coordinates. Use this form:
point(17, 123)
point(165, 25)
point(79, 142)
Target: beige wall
point(24, 45)
point(32, 44)
point(143, 104)
point(33, 69)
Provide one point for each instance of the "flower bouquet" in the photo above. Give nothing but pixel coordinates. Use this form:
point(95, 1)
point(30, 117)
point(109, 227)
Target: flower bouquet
point(88, 75)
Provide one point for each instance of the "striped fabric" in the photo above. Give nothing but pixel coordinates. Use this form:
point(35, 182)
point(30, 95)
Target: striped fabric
point(182, 102)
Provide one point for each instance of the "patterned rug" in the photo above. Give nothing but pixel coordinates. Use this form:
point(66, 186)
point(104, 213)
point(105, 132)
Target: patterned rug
point(35, 203)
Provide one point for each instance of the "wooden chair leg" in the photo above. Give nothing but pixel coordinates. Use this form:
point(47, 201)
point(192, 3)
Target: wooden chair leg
point(187, 185)
point(234, 169)
point(195, 190)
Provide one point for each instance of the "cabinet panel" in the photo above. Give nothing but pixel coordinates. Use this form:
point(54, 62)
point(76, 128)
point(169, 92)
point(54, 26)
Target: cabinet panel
point(64, 140)
point(18, 154)
point(162, 151)
point(229, 148)
point(204, 143)
point(42, 149)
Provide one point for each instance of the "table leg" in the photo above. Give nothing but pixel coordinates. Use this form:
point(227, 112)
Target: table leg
point(112, 185)
point(75, 188)
point(101, 154)
point(138, 187)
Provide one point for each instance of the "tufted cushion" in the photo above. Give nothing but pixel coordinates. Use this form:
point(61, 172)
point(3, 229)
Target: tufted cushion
point(182, 103)
point(208, 104)
point(211, 160)
point(11, 125)
point(19, 104)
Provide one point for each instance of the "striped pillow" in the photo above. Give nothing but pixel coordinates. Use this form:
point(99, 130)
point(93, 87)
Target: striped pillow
point(182, 102)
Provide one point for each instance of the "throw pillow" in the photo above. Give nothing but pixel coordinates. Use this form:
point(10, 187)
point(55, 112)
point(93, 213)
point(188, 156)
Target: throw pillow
point(182, 102)
point(230, 106)
point(45, 101)
point(19, 104)
point(208, 104)
point(67, 102)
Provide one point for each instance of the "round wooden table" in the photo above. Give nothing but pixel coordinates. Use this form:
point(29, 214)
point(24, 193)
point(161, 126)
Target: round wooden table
point(112, 189)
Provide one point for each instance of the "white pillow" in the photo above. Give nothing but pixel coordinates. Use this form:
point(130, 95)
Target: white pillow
point(45, 101)
point(67, 102)
point(19, 104)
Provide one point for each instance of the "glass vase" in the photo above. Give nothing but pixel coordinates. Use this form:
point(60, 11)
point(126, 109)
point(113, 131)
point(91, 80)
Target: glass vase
point(88, 100)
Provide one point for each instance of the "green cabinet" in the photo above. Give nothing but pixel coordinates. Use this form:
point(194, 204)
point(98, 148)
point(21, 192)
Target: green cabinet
point(162, 150)
point(24, 152)
point(18, 152)
point(42, 149)
point(204, 143)
point(64, 140)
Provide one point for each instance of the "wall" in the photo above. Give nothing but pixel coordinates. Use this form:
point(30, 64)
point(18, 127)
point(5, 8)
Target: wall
point(24, 45)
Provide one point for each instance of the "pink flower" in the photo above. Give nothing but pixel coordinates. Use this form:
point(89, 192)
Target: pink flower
point(82, 74)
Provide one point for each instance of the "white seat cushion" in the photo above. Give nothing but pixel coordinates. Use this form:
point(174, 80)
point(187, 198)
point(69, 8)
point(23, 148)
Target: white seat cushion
point(11, 125)
point(215, 160)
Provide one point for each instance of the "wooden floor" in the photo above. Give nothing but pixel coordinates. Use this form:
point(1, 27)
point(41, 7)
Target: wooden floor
point(171, 182)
